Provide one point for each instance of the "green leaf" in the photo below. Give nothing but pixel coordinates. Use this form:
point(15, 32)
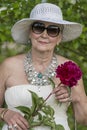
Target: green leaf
point(40, 102)
point(48, 121)
point(69, 90)
point(48, 110)
point(25, 110)
point(59, 127)
point(52, 83)
point(35, 123)
point(34, 101)
point(40, 117)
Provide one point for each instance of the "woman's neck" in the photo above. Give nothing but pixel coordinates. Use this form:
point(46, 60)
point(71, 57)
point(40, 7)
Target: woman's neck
point(39, 68)
point(41, 60)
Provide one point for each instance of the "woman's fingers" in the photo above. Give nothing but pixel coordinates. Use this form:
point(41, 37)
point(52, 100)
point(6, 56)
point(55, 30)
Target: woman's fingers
point(16, 121)
point(62, 94)
point(22, 123)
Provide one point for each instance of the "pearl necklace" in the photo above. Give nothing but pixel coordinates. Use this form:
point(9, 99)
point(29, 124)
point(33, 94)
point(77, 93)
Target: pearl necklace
point(38, 78)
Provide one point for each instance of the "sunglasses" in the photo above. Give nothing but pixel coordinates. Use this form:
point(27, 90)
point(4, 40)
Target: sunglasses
point(52, 30)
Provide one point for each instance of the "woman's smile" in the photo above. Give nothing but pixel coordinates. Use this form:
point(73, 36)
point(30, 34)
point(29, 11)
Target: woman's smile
point(43, 42)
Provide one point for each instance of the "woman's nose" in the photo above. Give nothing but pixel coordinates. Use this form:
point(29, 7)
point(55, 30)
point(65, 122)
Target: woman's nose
point(44, 33)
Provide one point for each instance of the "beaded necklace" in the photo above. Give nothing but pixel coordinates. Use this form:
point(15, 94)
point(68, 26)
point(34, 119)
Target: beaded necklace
point(38, 78)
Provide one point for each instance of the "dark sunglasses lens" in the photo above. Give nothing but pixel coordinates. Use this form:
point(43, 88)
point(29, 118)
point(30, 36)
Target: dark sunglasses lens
point(53, 30)
point(38, 28)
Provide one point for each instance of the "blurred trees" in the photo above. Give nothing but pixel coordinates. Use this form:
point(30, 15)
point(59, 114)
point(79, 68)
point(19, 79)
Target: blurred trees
point(73, 10)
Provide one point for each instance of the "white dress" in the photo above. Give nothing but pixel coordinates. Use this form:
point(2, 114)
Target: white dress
point(19, 96)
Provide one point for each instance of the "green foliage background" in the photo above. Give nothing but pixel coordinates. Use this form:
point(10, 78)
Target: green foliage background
point(73, 10)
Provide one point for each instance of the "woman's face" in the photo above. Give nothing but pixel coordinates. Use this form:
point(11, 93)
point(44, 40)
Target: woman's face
point(45, 39)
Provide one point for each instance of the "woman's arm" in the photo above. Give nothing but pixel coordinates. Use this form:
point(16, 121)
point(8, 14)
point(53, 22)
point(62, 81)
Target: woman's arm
point(79, 101)
point(3, 75)
point(11, 118)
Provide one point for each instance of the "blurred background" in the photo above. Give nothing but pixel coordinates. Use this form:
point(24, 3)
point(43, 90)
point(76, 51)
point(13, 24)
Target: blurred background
point(73, 10)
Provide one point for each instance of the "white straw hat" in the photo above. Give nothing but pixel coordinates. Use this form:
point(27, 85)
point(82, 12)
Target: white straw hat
point(46, 12)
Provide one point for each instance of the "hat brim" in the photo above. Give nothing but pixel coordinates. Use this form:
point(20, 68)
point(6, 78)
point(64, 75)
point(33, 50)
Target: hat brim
point(20, 30)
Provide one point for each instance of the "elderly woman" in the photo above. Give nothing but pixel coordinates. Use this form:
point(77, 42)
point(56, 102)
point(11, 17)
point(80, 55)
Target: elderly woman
point(44, 30)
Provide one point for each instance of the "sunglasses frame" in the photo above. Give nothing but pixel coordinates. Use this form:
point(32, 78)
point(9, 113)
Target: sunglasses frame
point(43, 28)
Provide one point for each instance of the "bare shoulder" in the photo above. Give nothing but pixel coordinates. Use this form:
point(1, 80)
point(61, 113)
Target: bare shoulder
point(11, 62)
point(61, 59)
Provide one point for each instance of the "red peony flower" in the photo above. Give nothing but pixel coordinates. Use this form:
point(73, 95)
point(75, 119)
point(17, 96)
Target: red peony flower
point(68, 73)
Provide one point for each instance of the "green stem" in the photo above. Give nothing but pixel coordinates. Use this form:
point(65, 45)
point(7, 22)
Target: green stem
point(39, 124)
point(51, 93)
point(40, 107)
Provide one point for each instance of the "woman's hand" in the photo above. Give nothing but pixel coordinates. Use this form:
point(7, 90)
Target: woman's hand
point(15, 121)
point(62, 94)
